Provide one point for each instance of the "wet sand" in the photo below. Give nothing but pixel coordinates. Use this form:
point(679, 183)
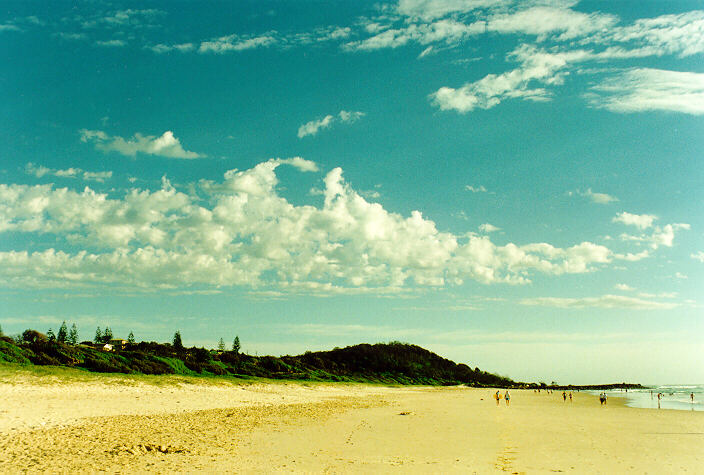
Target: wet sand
point(129, 427)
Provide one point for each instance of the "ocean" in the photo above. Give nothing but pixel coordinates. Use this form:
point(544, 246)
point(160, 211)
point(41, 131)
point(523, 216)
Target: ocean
point(676, 396)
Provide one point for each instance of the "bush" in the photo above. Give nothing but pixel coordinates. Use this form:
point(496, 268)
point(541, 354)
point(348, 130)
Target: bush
point(10, 353)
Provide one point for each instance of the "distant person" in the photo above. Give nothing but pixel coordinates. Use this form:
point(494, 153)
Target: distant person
point(659, 397)
point(691, 397)
point(570, 396)
point(497, 396)
point(602, 398)
point(507, 397)
point(564, 396)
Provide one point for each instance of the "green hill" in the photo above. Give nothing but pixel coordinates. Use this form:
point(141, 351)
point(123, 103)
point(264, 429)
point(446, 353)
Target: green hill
point(390, 363)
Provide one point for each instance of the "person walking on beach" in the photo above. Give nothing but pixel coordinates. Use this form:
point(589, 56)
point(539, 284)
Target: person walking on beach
point(564, 396)
point(570, 396)
point(691, 397)
point(507, 396)
point(497, 396)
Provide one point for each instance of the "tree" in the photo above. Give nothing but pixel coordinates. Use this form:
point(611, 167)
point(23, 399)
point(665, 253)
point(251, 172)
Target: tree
point(221, 345)
point(0, 330)
point(107, 335)
point(236, 344)
point(63, 333)
point(50, 335)
point(73, 335)
point(178, 345)
point(130, 338)
point(98, 336)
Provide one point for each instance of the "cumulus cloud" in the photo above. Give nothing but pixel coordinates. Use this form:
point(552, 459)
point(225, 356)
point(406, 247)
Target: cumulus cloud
point(314, 126)
point(605, 301)
point(40, 171)
point(699, 256)
point(241, 232)
point(164, 146)
point(641, 221)
point(643, 89)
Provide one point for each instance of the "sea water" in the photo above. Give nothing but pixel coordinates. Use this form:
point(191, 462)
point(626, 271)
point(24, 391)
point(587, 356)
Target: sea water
point(677, 396)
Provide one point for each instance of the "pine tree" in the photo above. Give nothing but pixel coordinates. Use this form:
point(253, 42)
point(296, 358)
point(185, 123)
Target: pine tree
point(236, 345)
point(107, 335)
point(63, 333)
point(98, 335)
point(130, 338)
point(221, 345)
point(73, 335)
point(50, 335)
point(178, 345)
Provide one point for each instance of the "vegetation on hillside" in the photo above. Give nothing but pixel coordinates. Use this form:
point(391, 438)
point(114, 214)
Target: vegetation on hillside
point(390, 363)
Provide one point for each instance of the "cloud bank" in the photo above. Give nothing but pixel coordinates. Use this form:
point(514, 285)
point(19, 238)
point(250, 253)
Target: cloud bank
point(240, 232)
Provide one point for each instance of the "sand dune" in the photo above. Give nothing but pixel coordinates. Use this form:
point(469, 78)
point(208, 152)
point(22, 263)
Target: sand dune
point(332, 428)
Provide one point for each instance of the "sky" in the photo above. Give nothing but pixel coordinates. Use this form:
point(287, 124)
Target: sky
point(517, 186)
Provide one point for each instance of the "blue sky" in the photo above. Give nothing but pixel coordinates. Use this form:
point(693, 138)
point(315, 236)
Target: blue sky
point(514, 185)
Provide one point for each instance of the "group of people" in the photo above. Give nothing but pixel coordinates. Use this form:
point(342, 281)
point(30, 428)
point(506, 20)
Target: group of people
point(564, 396)
point(506, 396)
point(602, 398)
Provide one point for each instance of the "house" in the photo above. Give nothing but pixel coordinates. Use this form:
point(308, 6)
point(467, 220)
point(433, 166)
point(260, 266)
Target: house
point(117, 343)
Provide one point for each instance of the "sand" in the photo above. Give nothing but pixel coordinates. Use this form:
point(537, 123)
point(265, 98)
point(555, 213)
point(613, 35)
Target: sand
point(131, 426)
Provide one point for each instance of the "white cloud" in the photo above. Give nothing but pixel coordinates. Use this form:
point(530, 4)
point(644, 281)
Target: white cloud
point(641, 221)
point(40, 171)
point(297, 162)
point(624, 287)
point(243, 233)
point(314, 126)
point(235, 42)
point(164, 146)
point(537, 66)
point(112, 43)
point(448, 31)
point(640, 90)
point(600, 198)
point(9, 27)
point(679, 275)
point(488, 228)
point(476, 189)
point(699, 256)
point(605, 301)
point(431, 9)
point(681, 34)
point(544, 21)
point(162, 48)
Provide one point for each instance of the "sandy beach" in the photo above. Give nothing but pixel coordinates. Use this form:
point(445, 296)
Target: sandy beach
point(118, 424)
